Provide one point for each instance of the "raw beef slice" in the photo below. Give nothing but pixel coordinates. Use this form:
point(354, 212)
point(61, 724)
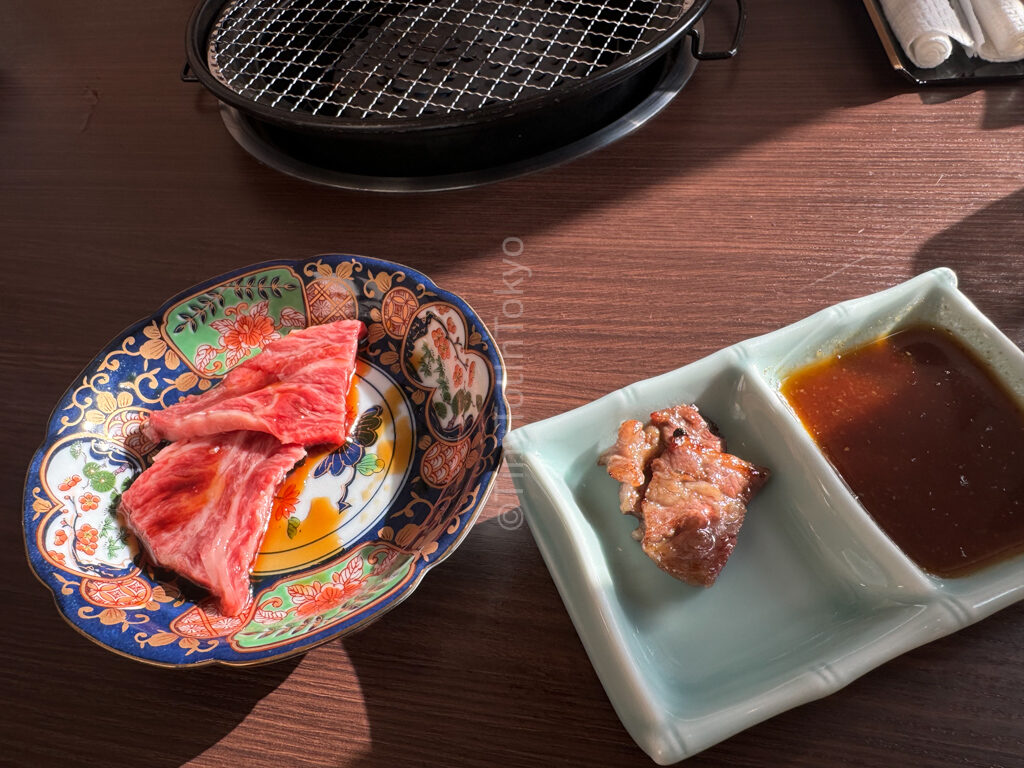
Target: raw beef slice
point(203, 507)
point(295, 390)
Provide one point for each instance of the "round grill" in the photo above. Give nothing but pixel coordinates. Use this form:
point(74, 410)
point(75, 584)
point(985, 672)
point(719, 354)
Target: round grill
point(375, 60)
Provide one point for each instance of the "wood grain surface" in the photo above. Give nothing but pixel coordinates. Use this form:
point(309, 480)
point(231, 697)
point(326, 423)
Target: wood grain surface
point(802, 173)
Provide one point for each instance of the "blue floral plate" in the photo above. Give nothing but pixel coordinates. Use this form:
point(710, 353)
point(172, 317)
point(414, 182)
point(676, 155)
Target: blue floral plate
point(352, 531)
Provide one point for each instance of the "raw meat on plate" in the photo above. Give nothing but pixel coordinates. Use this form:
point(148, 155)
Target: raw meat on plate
point(203, 507)
point(295, 390)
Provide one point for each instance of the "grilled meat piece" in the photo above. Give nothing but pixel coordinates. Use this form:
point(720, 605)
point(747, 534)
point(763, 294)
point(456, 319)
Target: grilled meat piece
point(694, 507)
point(686, 420)
point(627, 461)
point(689, 494)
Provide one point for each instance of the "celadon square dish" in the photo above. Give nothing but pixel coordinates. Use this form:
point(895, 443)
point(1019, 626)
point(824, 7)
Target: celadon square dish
point(815, 594)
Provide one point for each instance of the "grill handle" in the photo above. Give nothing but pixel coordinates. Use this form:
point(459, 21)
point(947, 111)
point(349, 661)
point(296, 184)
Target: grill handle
point(702, 55)
point(186, 74)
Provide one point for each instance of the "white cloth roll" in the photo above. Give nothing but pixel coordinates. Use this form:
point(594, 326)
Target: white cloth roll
point(926, 29)
point(997, 27)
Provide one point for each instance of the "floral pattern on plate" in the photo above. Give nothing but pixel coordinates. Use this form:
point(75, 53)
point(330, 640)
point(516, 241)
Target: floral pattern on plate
point(352, 530)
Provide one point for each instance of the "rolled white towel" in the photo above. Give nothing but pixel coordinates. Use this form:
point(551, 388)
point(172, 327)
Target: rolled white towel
point(997, 27)
point(926, 29)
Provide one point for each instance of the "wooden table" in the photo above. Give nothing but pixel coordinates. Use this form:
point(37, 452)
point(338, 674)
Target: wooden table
point(802, 173)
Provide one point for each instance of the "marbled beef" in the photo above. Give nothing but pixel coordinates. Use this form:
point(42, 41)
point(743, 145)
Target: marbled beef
point(203, 507)
point(295, 390)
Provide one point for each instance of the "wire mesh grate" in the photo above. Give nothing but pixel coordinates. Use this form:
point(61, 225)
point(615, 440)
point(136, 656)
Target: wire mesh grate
point(359, 59)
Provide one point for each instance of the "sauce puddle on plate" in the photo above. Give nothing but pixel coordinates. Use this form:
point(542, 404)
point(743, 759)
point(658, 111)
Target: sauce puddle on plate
point(288, 545)
point(928, 440)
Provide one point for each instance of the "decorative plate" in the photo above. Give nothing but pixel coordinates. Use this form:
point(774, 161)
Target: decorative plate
point(814, 595)
point(352, 530)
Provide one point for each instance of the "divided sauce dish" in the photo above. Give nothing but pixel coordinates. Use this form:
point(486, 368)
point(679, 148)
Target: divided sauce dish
point(815, 593)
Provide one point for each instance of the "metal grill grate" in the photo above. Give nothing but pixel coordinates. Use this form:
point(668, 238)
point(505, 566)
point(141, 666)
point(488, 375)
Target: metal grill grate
point(358, 59)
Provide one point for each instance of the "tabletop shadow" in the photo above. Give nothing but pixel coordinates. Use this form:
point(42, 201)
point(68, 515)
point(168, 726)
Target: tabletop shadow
point(1002, 103)
point(65, 702)
point(986, 251)
point(770, 87)
point(456, 676)
point(1003, 108)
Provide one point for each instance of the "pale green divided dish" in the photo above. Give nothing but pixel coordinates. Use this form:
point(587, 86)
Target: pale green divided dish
point(815, 594)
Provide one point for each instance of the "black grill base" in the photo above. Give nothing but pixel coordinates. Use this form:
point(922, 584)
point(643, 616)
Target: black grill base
point(467, 156)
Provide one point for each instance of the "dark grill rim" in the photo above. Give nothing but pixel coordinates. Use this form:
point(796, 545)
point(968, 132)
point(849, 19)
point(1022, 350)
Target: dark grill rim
point(207, 12)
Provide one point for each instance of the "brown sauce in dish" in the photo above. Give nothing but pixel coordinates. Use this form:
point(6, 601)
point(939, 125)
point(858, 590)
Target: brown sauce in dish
point(929, 442)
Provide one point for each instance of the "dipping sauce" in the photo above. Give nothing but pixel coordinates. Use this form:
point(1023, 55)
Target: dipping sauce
point(929, 442)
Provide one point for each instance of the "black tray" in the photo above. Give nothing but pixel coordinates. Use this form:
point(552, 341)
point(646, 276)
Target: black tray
point(958, 69)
